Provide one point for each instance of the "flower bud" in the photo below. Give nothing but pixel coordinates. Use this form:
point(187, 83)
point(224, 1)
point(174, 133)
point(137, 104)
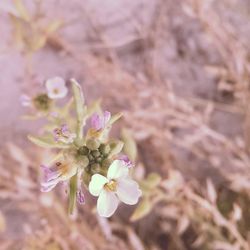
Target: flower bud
point(99, 159)
point(95, 153)
point(83, 150)
point(84, 161)
point(104, 149)
point(93, 144)
point(91, 157)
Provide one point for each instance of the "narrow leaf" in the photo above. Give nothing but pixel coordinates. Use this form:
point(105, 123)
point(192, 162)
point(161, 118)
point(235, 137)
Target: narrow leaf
point(144, 208)
point(130, 148)
point(46, 142)
point(79, 106)
point(78, 97)
point(115, 117)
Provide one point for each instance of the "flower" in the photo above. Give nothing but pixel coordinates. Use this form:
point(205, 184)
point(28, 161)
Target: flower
point(99, 122)
point(56, 88)
point(58, 173)
point(63, 134)
point(116, 186)
point(126, 161)
point(25, 100)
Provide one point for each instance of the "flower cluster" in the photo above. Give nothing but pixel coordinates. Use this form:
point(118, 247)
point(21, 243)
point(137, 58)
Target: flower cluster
point(86, 155)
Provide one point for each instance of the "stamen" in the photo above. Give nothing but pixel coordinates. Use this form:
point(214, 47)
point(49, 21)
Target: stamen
point(111, 186)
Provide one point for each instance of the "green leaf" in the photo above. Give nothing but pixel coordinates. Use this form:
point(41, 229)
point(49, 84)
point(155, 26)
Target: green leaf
point(130, 148)
point(79, 99)
point(114, 118)
point(144, 208)
point(149, 185)
point(72, 194)
point(79, 106)
point(46, 142)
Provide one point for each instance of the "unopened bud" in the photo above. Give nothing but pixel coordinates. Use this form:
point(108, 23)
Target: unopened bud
point(95, 153)
point(99, 159)
point(84, 161)
point(104, 149)
point(93, 143)
point(83, 150)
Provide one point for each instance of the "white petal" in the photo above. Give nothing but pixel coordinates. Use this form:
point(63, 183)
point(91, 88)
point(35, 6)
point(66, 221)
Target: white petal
point(117, 170)
point(107, 203)
point(96, 184)
point(128, 191)
point(57, 84)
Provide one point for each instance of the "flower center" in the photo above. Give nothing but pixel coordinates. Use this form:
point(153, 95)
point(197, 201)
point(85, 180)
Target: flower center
point(111, 186)
point(55, 91)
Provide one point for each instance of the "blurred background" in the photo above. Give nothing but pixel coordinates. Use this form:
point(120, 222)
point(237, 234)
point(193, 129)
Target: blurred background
point(179, 71)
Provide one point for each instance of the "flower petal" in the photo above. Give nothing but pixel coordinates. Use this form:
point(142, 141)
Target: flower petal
point(128, 191)
point(126, 160)
point(96, 122)
point(56, 88)
point(107, 203)
point(96, 184)
point(48, 186)
point(117, 170)
point(54, 82)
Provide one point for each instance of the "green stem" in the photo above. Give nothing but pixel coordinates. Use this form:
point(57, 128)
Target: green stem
point(72, 193)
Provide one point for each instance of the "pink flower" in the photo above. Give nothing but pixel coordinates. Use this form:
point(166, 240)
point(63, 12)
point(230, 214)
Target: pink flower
point(99, 122)
point(63, 134)
point(57, 173)
point(126, 161)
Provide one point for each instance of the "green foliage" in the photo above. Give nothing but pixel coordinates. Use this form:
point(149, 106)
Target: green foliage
point(130, 148)
point(46, 142)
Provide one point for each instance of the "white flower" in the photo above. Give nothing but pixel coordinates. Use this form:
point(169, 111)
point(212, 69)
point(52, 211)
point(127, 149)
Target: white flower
point(116, 186)
point(56, 88)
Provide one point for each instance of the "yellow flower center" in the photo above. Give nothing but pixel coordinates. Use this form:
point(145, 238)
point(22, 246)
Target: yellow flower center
point(111, 186)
